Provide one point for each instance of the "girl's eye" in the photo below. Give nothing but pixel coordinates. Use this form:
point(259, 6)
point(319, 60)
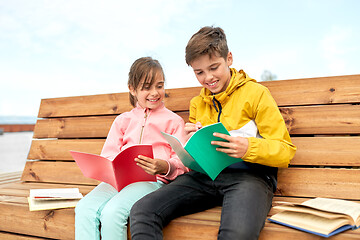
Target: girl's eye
point(199, 73)
point(214, 68)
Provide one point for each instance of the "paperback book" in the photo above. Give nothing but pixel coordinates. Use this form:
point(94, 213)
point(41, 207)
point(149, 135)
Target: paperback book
point(55, 198)
point(199, 154)
point(321, 216)
point(119, 172)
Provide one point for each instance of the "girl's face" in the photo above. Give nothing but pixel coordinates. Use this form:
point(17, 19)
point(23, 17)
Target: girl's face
point(150, 96)
point(213, 72)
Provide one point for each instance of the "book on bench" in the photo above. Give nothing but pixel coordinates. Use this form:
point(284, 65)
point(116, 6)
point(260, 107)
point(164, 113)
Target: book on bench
point(321, 216)
point(119, 172)
point(199, 154)
point(54, 198)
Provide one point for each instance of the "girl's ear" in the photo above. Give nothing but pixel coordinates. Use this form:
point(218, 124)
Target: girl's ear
point(132, 90)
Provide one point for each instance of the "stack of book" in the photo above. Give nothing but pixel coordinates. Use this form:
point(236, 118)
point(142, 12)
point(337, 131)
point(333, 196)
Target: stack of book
point(44, 199)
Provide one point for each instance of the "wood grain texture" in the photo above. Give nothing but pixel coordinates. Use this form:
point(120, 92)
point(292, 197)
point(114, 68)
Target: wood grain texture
point(53, 149)
point(55, 172)
point(323, 90)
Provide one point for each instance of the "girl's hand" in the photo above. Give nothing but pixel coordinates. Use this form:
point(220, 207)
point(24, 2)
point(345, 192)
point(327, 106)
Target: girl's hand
point(191, 128)
point(152, 166)
point(234, 146)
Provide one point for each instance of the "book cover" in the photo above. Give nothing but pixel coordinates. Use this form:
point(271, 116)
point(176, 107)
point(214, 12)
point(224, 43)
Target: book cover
point(320, 216)
point(45, 199)
point(199, 154)
point(119, 172)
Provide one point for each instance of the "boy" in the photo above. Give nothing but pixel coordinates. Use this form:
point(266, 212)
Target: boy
point(258, 136)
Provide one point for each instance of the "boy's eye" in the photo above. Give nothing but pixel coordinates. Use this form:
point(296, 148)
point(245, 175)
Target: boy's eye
point(214, 68)
point(199, 73)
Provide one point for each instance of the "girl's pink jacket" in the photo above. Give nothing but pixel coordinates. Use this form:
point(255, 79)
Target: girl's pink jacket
point(144, 126)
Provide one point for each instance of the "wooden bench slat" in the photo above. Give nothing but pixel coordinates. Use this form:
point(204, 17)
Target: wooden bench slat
point(324, 182)
point(313, 91)
point(332, 119)
point(55, 172)
point(327, 119)
point(323, 90)
point(327, 151)
point(322, 151)
point(10, 236)
point(18, 219)
point(85, 127)
point(22, 189)
point(59, 149)
point(308, 182)
point(109, 104)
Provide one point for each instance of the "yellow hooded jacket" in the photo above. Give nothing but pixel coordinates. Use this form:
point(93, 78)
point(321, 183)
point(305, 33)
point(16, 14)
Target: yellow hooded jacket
point(247, 109)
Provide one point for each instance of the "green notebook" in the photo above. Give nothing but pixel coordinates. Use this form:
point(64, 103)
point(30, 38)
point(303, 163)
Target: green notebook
point(199, 155)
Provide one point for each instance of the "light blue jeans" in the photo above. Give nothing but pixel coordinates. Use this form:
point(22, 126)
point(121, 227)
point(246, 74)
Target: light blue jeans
point(106, 206)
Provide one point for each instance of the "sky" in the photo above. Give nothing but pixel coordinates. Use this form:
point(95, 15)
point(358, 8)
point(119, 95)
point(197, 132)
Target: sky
point(60, 48)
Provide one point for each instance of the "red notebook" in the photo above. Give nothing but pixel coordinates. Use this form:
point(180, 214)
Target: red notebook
point(120, 172)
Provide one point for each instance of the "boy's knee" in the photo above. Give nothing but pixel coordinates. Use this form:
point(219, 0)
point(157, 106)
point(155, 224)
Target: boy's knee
point(239, 233)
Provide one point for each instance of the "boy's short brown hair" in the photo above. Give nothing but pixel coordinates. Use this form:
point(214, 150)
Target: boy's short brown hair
point(208, 40)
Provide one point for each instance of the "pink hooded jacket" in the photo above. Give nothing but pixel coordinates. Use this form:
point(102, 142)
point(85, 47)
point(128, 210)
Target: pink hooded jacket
point(144, 126)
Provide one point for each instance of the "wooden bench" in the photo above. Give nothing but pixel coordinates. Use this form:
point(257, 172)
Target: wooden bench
point(322, 115)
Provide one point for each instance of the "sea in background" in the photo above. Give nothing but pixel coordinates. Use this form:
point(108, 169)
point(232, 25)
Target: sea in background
point(15, 146)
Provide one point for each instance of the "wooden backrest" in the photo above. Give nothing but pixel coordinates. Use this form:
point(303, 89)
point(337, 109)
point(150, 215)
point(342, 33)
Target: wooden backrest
point(322, 115)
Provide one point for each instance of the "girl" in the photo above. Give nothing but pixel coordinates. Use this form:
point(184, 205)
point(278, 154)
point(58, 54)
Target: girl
point(104, 205)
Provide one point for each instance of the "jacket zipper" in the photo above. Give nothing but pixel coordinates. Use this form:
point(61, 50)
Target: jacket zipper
point(218, 107)
point(143, 126)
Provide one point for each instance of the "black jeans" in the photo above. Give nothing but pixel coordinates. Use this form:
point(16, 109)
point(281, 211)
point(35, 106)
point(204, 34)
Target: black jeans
point(245, 198)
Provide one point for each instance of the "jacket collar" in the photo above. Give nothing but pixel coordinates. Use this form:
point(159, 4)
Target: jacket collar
point(238, 78)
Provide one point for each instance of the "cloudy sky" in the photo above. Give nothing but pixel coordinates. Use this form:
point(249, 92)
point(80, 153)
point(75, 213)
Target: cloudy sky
point(59, 48)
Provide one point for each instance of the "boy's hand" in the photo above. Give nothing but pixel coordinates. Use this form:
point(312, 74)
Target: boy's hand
point(234, 147)
point(191, 128)
point(152, 166)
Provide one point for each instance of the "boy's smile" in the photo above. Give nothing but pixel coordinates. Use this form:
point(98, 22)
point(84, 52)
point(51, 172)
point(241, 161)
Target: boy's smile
point(213, 72)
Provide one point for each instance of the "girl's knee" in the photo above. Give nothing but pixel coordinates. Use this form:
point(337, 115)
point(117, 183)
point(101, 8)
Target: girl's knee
point(114, 214)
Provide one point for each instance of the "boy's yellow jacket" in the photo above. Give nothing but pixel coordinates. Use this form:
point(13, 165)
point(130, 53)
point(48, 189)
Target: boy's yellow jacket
point(247, 109)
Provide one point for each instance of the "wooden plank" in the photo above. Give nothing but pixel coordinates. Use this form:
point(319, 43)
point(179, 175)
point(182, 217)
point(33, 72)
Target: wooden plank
point(326, 119)
point(324, 182)
point(55, 172)
point(59, 149)
point(109, 104)
point(298, 182)
point(17, 127)
point(17, 218)
point(11, 236)
point(83, 127)
point(332, 119)
point(274, 231)
point(327, 151)
point(322, 90)
point(317, 151)
point(22, 189)
point(183, 228)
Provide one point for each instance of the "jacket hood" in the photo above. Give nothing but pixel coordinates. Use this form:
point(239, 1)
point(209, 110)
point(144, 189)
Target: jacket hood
point(238, 78)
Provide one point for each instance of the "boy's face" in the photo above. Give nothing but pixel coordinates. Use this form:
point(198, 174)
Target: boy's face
point(213, 72)
point(150, 96)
